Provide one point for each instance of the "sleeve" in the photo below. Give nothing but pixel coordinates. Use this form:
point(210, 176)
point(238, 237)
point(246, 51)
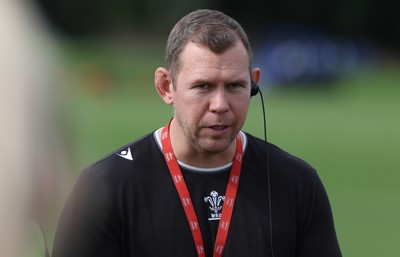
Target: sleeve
point(318, 236)
point(87, 225)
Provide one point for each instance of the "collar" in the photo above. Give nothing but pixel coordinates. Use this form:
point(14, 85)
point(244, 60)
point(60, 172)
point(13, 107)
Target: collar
point(222, 168)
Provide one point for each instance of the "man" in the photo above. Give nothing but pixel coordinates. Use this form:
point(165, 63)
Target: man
point(200, 186)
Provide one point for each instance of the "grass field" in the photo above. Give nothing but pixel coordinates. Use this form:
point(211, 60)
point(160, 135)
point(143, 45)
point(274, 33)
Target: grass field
point(350, 132)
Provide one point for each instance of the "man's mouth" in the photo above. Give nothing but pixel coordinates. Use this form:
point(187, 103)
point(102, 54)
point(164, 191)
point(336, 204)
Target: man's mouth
point(218, 127)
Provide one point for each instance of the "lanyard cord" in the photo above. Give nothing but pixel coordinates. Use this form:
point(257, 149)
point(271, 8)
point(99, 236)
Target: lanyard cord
point(187, 203)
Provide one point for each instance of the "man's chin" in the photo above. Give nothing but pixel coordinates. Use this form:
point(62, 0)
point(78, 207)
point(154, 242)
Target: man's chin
point(213, 147)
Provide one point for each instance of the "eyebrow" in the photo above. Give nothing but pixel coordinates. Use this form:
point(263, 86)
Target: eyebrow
point(202, 81)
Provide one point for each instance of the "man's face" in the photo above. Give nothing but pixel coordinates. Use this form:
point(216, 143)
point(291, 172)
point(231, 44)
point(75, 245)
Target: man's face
point(211, 97)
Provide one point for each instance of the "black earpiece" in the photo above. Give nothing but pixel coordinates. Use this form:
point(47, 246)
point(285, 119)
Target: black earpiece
point(254, 89)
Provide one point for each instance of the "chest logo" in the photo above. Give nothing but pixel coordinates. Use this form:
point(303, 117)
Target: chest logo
point(215, 202)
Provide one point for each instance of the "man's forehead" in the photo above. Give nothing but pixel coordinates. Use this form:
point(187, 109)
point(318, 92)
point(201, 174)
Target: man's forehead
point(199, 54)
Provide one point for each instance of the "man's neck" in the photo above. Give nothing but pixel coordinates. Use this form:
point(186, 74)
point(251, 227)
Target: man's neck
point(205, 160)
point(189, 155)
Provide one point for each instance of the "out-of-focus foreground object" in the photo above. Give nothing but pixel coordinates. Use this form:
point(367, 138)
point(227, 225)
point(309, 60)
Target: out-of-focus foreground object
point(31, 153)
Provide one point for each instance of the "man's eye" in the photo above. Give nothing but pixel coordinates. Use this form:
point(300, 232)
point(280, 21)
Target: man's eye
point(203, 86)
point(234, 85)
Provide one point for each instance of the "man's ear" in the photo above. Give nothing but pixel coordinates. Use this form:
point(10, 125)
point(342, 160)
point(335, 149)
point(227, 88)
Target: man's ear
point(163, 84)
point(255, 75)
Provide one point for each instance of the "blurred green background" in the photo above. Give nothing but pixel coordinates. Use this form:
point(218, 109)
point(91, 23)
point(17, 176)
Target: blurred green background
point(347, 127)
point(349, 133)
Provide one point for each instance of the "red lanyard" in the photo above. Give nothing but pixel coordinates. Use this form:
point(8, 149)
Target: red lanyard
point(187, 204)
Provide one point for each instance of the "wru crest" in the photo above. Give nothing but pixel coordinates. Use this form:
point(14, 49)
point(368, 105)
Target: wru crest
point(215, 202)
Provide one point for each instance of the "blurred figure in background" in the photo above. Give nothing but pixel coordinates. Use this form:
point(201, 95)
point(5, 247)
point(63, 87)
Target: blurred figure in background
point(31, 157)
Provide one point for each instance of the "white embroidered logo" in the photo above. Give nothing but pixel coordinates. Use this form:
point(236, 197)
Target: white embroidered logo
point(215, 202)
point(126, 154)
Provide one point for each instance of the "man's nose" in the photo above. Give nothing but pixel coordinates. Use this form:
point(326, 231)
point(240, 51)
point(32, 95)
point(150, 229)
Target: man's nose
point(219, 101)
